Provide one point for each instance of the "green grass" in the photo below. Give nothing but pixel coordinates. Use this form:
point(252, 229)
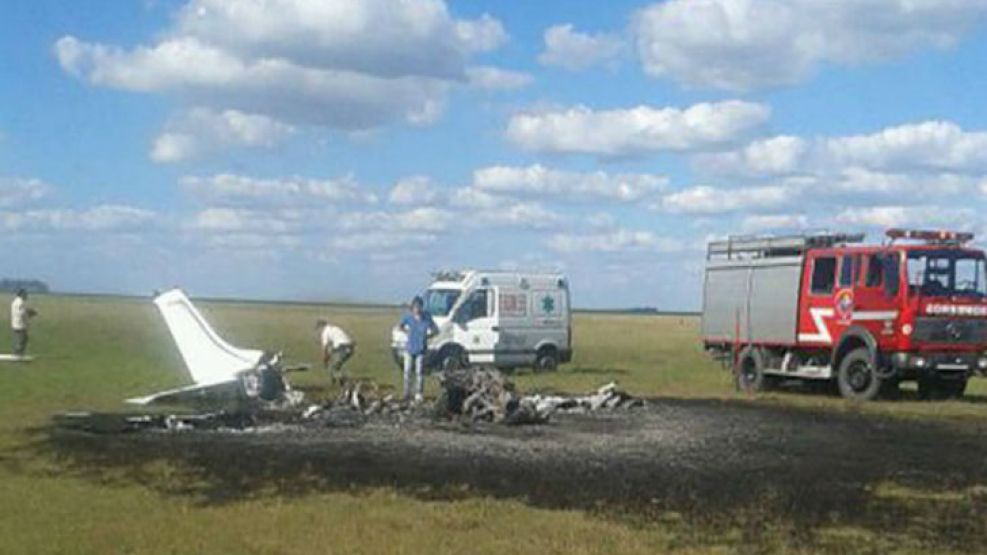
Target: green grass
point(94, 352)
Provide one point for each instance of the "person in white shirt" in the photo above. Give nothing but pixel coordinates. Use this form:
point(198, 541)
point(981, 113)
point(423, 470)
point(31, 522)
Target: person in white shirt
point(337, 348)
point(20, 316)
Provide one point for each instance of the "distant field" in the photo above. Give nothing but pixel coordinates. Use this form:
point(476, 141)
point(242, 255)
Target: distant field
point(94, 352)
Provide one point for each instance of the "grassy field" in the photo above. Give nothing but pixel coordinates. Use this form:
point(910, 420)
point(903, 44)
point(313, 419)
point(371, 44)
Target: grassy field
point(94, 352)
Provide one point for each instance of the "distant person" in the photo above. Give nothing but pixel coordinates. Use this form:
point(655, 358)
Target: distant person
point(20, 316)
point(419, 326)
point(337, 348)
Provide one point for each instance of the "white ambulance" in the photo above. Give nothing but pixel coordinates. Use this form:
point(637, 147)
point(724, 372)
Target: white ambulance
point(504, 319)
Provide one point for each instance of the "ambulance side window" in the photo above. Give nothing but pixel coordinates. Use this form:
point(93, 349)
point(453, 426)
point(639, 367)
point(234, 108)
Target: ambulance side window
point(475, 307)
point(847, 271)
point(823, 275)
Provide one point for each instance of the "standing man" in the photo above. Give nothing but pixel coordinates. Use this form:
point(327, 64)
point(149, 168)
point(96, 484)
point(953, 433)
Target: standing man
point(337, 348)
point(20, 315)
point(419, 326)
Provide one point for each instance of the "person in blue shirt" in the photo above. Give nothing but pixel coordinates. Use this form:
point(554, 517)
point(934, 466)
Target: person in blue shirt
point(419, 326)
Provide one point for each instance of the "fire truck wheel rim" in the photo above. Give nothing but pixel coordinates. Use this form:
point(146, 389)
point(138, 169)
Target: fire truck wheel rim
point(859, 375)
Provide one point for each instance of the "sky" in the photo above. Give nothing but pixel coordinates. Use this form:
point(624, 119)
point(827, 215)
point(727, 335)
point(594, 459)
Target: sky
point(345, 149)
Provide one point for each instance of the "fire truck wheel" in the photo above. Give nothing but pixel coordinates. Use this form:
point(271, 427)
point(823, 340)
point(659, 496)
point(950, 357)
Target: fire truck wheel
point(857, 377)
point(750, 371)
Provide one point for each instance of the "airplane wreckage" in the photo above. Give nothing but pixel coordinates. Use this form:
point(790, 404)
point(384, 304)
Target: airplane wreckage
point(249, 389)
point(220, 371)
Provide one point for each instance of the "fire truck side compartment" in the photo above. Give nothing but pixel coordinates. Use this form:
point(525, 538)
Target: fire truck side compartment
point(757, 297)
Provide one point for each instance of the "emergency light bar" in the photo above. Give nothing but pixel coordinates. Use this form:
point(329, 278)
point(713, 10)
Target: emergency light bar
point(953, 237)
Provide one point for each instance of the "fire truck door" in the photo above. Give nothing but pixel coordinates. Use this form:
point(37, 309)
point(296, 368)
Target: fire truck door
point(817, 310)
point(875, 293)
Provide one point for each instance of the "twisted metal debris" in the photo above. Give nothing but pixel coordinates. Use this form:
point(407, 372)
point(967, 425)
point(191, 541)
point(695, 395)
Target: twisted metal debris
point(472, 395)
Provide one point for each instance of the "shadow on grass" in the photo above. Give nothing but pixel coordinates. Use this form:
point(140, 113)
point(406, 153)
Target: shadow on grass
point(721, 464)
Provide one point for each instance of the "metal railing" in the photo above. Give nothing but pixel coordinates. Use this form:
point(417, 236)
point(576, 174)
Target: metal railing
point(764, 246)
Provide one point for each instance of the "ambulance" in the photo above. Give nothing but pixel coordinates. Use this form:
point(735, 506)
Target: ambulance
point(497, 318)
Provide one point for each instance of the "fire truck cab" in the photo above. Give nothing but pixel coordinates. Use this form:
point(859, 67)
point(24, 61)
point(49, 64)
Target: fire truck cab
point(829, 307)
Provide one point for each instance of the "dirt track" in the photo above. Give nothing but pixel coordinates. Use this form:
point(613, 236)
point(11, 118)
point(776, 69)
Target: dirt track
point(712, 457)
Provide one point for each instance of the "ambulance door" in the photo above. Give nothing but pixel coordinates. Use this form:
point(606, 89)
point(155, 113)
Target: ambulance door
point(476, 328)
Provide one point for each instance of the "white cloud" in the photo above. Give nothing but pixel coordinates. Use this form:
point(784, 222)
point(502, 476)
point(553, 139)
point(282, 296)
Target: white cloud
point(539, 180)
point(746, 44)
point(601, 220)
point(517, 214)
point(710, 200)
point(18, 191)
point(426, 219)
point(102, 218)
point(876, 183)
point(620, 240)
point(636, 131)
point(380, 241)
point(481, 35)
point(493, 78)
point(389, 38)
point(333, 63)
point(884, 217)
point(200, 131)
point(219, 220)
point(414, 190)
point(265, 244)
point(772, 222)
point(238, 189)
point(567, 48)
point(273, 87)
point(778, 155)
point(470, 197)
point(900, 160)
point(930, 145)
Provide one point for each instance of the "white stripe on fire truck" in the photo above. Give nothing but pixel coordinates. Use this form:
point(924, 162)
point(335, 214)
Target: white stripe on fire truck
point(822, 331)
point(869, 315)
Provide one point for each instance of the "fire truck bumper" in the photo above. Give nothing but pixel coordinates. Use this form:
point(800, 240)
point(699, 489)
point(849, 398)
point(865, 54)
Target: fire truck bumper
point(915, 364)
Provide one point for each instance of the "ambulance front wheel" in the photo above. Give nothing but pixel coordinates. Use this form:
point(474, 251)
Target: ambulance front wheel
point(452, 357)
point(857, 376)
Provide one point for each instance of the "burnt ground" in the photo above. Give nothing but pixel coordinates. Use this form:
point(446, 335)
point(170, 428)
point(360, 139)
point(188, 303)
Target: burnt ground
point(706, 459)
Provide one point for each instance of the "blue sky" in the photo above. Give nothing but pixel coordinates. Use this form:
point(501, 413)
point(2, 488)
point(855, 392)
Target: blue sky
point(343, 149)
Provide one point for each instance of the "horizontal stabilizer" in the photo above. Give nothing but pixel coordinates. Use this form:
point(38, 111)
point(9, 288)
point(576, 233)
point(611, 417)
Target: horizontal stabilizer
point(186, 394)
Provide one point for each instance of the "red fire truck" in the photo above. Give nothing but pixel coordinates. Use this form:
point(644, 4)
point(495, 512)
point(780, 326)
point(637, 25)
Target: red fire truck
point(827, 306)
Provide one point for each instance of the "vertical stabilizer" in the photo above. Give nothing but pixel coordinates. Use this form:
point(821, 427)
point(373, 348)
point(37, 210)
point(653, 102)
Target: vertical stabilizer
point(208, 358)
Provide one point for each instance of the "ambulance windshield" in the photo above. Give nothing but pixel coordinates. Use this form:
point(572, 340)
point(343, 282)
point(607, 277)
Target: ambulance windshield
point(440, 301)
point(946, 273)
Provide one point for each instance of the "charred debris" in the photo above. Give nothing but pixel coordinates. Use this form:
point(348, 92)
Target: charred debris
point(467, 396)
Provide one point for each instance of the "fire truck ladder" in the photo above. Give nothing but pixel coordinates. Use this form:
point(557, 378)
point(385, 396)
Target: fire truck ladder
point(768, 246)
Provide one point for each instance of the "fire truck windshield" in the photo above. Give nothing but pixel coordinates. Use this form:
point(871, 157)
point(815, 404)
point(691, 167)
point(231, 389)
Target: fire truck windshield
point(946, 273)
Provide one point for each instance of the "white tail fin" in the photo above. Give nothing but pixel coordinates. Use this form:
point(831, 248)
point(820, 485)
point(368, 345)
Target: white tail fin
point(209, 359)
